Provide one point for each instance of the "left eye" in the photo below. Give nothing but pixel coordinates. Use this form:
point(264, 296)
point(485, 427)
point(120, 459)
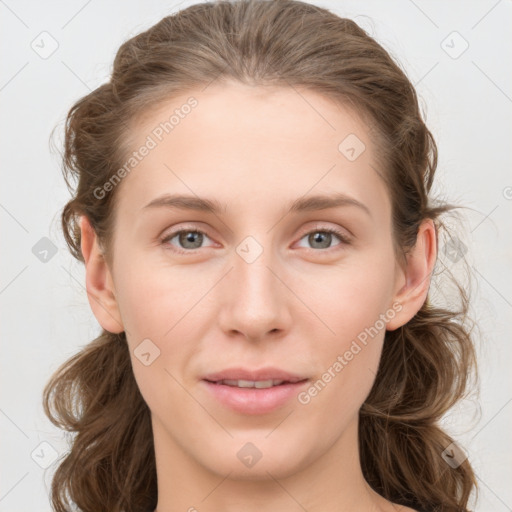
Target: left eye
point(192, 239)
point(323, 237)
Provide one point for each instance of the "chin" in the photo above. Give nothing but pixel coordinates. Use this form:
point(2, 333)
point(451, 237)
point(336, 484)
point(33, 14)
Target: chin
point(260, 459)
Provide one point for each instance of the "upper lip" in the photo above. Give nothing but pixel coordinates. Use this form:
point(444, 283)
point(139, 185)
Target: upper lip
point(266, 373)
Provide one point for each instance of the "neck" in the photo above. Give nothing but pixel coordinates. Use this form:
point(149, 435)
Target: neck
point(331, 481)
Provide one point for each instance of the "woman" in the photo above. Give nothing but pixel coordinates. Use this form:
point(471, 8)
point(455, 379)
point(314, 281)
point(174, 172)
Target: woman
point(252, 208)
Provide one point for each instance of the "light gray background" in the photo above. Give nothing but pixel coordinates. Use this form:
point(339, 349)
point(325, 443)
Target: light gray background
point(45, 315)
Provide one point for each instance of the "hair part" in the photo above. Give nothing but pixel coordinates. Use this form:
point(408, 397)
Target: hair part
point(425, 365)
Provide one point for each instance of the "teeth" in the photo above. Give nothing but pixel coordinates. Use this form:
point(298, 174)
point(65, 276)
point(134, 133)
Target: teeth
point(259, 384)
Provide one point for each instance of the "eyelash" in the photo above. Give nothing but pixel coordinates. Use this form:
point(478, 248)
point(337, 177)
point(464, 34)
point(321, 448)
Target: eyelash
point(344, 239)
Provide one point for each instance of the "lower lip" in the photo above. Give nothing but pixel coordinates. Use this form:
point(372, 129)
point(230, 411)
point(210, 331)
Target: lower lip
point(254, 400)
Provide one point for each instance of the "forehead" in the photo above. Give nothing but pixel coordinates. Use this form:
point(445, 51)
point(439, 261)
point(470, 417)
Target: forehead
point(239, 143)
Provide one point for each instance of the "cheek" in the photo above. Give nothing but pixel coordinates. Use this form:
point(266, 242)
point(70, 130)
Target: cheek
point(153, 298)
point(352, 304)
point(349, 365)
point(158, 309)
point(352, 297)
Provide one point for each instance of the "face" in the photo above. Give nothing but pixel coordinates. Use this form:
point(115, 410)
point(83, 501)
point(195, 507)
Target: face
point(255, 284)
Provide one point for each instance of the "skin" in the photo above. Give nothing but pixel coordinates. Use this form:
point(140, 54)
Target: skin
point(297, 306)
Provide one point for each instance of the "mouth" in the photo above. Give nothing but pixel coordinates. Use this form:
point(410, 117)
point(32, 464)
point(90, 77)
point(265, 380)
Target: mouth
point(258, 384)
point(253, 397)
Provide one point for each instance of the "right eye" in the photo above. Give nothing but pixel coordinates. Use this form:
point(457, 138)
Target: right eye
point(190, 239)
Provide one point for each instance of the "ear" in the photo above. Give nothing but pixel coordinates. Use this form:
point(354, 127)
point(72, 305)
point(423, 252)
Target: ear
point(413, 282)
point(99, 283)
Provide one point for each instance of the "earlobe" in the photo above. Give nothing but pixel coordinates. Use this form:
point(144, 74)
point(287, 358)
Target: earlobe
point(415, 278)
point(99, 283)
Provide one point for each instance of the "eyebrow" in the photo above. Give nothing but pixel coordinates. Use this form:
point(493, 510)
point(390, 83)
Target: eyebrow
point(302, 204)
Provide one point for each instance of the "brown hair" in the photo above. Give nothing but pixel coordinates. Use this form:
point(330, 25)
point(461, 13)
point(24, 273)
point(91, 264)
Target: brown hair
point(426, 364)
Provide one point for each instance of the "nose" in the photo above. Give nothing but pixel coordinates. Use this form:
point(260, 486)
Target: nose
point(254, 299)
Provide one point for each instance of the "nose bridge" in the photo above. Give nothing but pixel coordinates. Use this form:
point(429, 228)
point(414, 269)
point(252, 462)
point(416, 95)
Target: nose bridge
point(254, 301)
